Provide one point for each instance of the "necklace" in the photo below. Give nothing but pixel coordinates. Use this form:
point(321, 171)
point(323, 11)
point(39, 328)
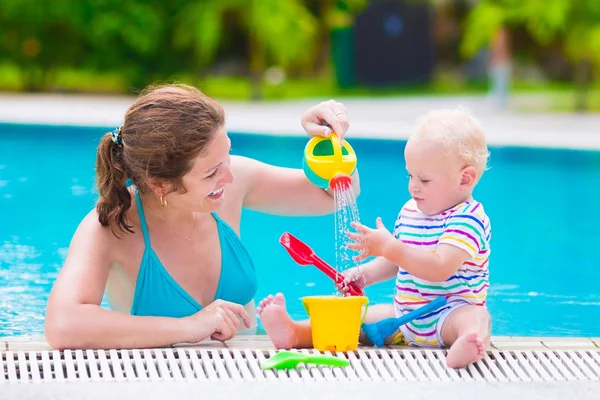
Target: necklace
point(189, 238)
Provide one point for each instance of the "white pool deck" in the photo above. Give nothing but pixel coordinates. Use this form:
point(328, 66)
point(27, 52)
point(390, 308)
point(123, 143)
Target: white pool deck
point(303, 386)
point(390, 118)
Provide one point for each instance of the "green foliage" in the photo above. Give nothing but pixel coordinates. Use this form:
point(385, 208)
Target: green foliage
point(285, 29)
point(481, 24)
point(147, 40)
point(198, 26)
point(283, 32)
point(26, 29)
point(574, 23)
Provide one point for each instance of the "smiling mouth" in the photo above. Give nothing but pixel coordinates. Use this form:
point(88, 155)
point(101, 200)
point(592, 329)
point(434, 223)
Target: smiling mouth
point(216, 193)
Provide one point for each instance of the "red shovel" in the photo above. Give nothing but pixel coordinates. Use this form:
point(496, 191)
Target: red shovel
point(304, 255)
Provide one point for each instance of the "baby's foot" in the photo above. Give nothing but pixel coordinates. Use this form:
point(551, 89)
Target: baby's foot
point(277, 322)
point(466, 350)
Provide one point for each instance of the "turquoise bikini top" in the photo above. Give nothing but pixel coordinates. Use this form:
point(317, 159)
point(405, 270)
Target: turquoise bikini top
point(158, 294)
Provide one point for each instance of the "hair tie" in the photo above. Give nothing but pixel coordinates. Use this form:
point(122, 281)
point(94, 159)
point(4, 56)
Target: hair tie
point(116, 136)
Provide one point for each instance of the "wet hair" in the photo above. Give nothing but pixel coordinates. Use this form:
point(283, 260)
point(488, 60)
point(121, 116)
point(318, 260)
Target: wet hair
point(460, 134)
point(164, 131)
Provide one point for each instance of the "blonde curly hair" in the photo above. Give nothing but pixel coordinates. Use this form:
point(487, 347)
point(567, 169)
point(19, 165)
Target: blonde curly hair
point(459, 132)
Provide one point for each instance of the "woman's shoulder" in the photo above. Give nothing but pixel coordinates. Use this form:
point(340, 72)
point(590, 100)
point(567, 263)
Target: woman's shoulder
point(91, 241)
point(95, 234)
point(244, 169)
point(243, 166)
point(93, 231)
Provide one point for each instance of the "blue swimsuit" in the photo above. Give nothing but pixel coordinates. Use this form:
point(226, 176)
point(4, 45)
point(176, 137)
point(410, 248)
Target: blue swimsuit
point(157, 293)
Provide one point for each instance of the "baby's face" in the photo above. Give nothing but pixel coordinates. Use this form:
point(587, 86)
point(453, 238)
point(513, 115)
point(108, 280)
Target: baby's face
point(434, 177)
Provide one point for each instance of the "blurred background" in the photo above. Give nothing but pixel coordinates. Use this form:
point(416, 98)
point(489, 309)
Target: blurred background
point(546, 53)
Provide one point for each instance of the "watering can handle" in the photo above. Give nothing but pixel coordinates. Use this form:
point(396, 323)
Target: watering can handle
point(337, 145)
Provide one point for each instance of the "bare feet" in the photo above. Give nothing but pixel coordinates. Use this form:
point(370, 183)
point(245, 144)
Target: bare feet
point(466, 350)
point(278, 324)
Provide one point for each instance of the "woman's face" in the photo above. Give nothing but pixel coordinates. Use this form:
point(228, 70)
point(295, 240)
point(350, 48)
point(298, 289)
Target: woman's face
point(206, 182)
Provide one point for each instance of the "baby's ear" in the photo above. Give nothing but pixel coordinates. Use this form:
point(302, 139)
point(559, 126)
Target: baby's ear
point(468, 177)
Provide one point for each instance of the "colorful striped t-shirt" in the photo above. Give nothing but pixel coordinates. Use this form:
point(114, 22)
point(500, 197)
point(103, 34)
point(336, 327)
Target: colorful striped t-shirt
point(465, 226)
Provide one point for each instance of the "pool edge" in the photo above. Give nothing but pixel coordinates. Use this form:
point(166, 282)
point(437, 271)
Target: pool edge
point(261, 342)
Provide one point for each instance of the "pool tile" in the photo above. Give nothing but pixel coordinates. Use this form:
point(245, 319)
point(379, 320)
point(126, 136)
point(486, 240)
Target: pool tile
point(249, 344)
point(254, 338)
point(261, 342)
point(569, 343)
point(502, 338)
point(27, 345)
point(18, 338)
point(517, 345)
point(205, 344)
point(522, 339)
point(566, 339)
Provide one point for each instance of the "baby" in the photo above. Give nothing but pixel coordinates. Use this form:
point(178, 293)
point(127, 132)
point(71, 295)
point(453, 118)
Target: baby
point(440, 247)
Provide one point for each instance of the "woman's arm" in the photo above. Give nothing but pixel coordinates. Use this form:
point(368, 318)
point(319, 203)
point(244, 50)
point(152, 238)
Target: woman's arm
point(283, 191)
point(74, 318)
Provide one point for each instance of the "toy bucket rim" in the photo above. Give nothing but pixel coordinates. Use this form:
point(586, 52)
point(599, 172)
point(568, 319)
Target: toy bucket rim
point(337, 298)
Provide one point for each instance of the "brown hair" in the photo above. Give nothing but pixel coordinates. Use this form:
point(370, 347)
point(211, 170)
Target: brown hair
point(164, 131)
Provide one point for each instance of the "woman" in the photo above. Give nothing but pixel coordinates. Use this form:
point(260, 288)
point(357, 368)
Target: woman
point(166, 250)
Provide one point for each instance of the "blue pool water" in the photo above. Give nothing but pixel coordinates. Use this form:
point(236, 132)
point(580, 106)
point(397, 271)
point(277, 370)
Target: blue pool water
point(545, 269)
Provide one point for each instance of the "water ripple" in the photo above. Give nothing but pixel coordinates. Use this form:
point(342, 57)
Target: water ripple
point(24, 288)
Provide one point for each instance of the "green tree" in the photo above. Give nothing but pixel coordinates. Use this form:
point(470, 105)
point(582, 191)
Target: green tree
point(132, 37)
point(278, 32)
point(137, 39)
point(575, 24)
point(40, 37)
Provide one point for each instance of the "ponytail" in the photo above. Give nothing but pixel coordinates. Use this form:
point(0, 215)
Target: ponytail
point(111, 180)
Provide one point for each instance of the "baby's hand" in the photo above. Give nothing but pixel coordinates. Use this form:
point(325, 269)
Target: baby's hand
point(369, 242)
point(352, 275)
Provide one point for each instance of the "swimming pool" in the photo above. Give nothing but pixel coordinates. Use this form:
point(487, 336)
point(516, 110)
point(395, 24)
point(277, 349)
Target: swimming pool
point(545, 271)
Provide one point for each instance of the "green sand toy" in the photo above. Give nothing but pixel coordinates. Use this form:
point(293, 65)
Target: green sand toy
point(291, 359)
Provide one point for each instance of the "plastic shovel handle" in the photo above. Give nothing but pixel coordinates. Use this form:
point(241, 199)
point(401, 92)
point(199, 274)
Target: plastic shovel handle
point(335, 276)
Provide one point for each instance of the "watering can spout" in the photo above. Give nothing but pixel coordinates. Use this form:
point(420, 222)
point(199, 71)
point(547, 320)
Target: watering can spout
point(342, 181)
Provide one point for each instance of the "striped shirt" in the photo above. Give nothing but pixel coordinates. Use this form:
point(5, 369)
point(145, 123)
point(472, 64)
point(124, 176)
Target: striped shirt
point(465, 226)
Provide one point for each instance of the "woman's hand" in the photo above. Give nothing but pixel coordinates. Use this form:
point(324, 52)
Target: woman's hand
point(369, 242)
point(219, 320)
point(321, 119)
